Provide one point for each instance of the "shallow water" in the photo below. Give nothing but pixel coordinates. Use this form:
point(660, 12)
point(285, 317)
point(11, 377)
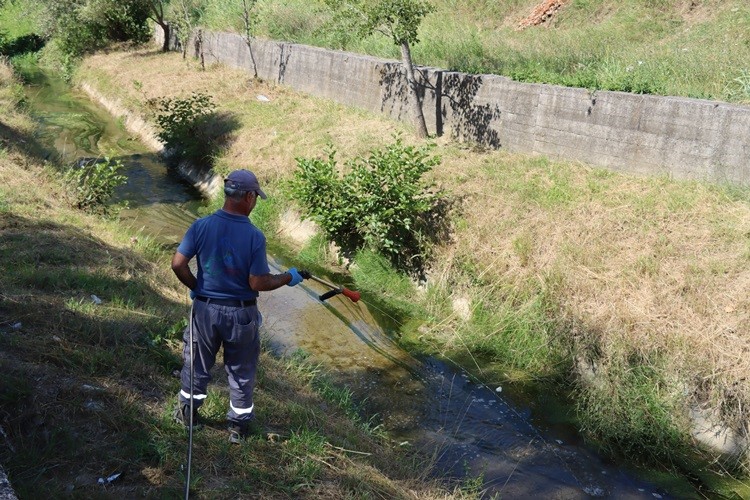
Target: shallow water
point(465, 428)
point(77, 129)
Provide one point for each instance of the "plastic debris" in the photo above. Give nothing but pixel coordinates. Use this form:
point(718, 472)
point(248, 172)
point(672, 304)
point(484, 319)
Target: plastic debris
point(96, 300)
point(499, 389)
point(108, 480)
point(93, 405)
point(263, 98)
point(16, 326)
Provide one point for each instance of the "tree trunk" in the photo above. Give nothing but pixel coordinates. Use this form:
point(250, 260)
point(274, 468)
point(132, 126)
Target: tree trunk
point(165, 29)
point(412, 82)
point(252, 57)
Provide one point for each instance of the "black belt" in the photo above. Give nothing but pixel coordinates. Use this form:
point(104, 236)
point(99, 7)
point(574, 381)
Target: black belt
point(228, 302)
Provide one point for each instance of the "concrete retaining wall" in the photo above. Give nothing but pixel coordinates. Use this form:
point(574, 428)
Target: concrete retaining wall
point(687, 138)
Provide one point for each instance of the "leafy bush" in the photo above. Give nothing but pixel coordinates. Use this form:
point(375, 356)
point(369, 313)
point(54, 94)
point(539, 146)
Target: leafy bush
point(184, 125)
point(93, 182)
point(84, 26)
point(381, 203)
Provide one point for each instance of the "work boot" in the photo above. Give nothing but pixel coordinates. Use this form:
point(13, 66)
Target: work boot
point(182, 416)
point(237, 432)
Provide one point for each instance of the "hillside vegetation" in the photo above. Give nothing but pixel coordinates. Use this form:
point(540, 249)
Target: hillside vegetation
point(693, 48)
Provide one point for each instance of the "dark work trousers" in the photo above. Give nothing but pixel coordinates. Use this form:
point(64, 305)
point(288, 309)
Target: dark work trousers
point(236, 328)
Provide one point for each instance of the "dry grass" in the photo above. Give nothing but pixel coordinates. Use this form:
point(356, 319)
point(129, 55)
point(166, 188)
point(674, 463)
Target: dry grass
point(272, 134)
point(662, 264)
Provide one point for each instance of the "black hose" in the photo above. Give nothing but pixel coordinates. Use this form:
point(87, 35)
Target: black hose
point(190, 429)
point(329, 294)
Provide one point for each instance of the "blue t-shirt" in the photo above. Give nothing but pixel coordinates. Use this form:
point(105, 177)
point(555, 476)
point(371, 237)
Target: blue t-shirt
point(229, 249)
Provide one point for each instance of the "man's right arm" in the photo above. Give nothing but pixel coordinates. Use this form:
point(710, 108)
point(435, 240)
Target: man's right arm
point(182, 270)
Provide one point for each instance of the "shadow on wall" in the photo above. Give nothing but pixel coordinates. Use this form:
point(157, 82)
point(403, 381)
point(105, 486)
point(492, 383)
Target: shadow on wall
point(454, 96)
point(471, 121)
point(286, 53)
point(394, 90)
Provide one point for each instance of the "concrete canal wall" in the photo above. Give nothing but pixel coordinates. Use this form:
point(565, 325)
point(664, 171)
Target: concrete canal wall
point(642, 134)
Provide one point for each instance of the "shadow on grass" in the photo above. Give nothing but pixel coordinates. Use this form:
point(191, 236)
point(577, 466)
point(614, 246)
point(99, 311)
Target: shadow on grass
point(16, 140)
point(77, 376)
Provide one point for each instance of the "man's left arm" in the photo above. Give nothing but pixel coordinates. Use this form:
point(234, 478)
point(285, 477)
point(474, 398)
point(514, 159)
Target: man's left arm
point(268, 282)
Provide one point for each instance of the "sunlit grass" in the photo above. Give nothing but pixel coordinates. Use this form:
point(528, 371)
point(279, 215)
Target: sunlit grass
point(666, 48)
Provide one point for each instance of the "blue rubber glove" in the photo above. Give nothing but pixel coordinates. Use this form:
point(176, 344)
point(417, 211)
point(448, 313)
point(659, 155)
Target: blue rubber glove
point(296, 278)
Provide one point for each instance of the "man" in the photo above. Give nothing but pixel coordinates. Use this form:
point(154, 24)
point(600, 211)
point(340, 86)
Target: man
point(232, 268)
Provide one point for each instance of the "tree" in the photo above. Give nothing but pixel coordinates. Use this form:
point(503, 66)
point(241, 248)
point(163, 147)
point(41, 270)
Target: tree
point(397, 19)
point(249, 22)
point(80, 26)
point(157, 11)
point(187, 14)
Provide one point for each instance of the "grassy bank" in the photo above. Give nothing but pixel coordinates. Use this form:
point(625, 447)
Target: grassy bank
point(88, 389)
point(630, 290)
point(665, 47)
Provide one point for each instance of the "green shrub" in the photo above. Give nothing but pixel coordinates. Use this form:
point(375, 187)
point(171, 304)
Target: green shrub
point(184, 124)
point(381, 203)
point(92, 183)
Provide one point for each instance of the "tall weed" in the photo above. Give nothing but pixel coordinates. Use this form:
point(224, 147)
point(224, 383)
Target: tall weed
point(93, 183)
point(632, 408)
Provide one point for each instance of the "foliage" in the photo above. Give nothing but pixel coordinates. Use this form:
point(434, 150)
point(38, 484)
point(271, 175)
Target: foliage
point(81, 26)
point(397, 19)
point(250, 18)
point(21, 45)
point(94, 182)
point(381, 203)
point(183, 123)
